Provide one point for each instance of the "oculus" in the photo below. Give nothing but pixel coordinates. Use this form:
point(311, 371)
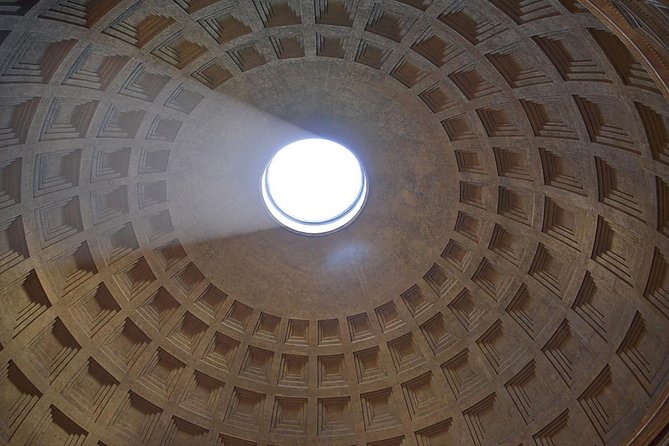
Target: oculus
point(314, 186)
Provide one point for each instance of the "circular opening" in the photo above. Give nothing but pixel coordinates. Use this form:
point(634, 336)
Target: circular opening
point(314, 186)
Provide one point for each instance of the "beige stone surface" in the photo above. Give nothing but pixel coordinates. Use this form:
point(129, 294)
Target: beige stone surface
point(507, 282)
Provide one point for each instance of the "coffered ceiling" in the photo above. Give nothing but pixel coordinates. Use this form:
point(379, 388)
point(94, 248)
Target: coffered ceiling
point(506, 283)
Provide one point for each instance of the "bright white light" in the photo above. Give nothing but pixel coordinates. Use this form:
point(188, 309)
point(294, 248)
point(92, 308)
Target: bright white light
point(314, 186)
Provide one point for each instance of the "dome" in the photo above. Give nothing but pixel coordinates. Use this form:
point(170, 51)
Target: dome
point(505, 282)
